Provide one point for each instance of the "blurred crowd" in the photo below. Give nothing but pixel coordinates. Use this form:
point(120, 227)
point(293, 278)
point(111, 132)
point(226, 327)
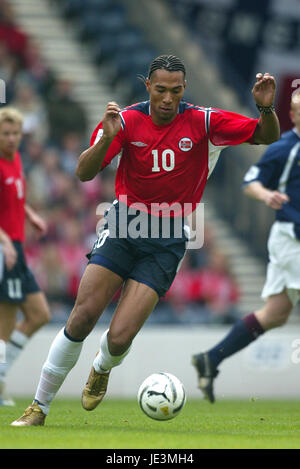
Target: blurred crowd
point(55, 133)
point(204, 290)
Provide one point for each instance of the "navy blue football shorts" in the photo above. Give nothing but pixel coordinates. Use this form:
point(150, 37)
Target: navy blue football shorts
point(148, 260)
point(17, 283)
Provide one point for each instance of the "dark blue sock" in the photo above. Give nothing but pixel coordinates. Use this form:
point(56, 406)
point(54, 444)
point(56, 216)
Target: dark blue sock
point(38, 402)
point(242, 334)
point(71, 338)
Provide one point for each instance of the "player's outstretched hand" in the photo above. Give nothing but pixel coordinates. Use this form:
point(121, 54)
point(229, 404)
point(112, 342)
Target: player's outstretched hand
point(263, 90)
point(275, 199)
point(111, 120)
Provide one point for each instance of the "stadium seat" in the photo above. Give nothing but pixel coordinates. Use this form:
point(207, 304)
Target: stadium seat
point(136, 90)
point(124, 42)
point(75, 8)
point(98, 4)
point(92, 24)
point(71, 8)
point(133, 64)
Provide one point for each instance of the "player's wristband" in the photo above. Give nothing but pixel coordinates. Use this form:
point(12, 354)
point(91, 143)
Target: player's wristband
point(265, 109)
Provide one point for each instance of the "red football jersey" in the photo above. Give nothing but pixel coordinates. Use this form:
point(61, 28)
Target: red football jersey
point(171, 163)
point(12, 197)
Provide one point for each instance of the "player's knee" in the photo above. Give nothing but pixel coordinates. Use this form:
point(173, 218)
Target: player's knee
point(40, 317)
point(44, 316)
point(280, 318)
point(119, 341)
point(82, 320)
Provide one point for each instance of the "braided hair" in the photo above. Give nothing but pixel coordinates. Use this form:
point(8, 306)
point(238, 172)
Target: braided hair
point(171, 63)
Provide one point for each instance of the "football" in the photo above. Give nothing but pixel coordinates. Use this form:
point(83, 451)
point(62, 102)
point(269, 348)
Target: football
point(161, 396)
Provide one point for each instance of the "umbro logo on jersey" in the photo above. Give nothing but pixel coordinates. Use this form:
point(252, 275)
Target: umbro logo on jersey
point(185, 144)
point(139, 144)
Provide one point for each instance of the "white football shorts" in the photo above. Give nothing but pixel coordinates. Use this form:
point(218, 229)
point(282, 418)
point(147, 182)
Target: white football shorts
point(284, 262)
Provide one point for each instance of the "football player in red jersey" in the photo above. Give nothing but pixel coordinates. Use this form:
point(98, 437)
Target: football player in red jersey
point(8, 253)
point(18, 288)
point(169, 148)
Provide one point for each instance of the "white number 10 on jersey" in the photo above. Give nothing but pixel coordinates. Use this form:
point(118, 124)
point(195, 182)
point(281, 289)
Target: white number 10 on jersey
point(166, 161)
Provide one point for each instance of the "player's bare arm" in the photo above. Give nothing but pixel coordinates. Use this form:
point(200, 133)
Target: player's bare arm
point(273, 199)
point(90, 161)
point(36, 221)
point(268, 129)
point(10, 253)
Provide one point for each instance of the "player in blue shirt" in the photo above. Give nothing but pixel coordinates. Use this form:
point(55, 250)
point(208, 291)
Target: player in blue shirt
point(274, 180)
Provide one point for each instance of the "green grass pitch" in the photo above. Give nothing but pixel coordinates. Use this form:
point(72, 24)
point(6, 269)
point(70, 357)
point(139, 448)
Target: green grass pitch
point(120, 424)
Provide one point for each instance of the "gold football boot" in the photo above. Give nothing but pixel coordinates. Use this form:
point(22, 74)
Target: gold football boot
point(94, 390)
point(33, 416)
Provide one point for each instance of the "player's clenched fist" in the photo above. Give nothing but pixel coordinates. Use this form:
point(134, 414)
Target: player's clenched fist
point(111, 120)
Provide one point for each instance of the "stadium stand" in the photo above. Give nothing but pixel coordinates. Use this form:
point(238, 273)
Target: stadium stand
point(115, 43)
point(50, 160)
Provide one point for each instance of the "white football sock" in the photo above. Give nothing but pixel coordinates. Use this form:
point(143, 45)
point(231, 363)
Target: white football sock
point(104, 361)
point(3, 366)
point(13, 349)
point(63, 355)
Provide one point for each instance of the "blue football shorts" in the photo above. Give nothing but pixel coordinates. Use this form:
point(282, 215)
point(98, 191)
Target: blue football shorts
point(152, 261)
point(18, 282)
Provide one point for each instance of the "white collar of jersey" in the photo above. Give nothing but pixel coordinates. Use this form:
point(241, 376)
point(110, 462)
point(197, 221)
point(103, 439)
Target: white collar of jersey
point(297, 132)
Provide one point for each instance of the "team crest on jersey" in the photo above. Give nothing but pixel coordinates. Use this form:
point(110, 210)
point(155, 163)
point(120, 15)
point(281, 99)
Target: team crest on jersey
point(185, 144)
